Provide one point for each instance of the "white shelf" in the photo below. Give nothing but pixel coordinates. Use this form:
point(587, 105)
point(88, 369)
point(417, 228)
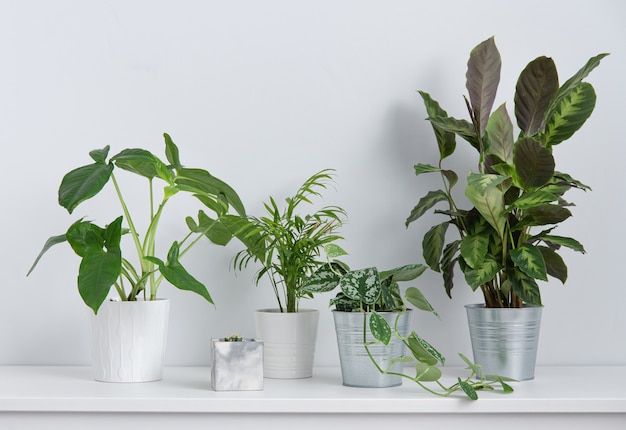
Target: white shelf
point(28, 392)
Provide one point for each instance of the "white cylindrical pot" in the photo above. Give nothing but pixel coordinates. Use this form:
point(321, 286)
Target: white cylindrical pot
point(357, 368)
point(289, 342)
point(128, 340)
point(504, 340)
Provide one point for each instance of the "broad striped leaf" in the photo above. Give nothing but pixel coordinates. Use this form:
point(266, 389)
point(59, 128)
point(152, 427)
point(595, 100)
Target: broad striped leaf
point(425, 203)
point(432, 245)
point(482, 79)
point(484, 273)
point(488, 200)
point(500, 135)
point(530, 261)
point(534, 164)
point(524, 286)
point(537, 85)
point(555, 265)
point(446, 140)
point(474, 249)
point(532, 199)
point(461, 127)
point(570, 114)
point(568, 242)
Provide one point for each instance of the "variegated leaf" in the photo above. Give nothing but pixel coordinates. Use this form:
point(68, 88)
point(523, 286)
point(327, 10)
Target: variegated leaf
point(362, 285)
point(530, 261)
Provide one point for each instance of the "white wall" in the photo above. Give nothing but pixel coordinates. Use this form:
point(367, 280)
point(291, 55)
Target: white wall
point(263, 94)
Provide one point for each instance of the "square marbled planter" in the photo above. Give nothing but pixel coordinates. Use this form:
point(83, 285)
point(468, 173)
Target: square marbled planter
point(237, 366)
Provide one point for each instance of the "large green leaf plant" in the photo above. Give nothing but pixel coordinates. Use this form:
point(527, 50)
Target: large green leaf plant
point(103, 265)
point(506, 241)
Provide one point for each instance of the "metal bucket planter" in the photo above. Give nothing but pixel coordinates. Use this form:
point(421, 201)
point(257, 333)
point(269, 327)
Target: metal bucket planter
point(289, 342)
point(236, 366)
point(357, 369)
point(128, 340)
point(504, 340)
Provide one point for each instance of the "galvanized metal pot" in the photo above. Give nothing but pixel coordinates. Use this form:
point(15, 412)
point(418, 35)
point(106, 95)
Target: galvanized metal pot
point(357, 369)
point(289, 340)
point(504, 340)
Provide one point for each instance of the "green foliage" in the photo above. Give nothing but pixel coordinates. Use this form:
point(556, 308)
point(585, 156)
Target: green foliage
point(102, 264)
point(288, 245)
point(516, 188)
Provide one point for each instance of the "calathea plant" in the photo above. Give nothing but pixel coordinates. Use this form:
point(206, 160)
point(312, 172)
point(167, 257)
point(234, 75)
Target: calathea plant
point(372, 292)
point(288, 244)
point(103, 265)
point(506, 241)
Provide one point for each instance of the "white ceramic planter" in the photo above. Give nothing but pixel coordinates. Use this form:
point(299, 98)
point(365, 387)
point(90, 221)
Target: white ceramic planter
point(236, 366)
point(289, 342)
point(128, 340)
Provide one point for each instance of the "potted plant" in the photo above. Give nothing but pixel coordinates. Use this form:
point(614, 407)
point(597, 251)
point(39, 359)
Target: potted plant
point(236, 364)
point(140, 312)
point(288, 246)
point(372, 326)
point(506, 241)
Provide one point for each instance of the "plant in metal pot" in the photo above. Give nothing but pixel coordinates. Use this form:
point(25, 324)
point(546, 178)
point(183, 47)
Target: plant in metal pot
point(289, 246)
point(103, 265)
point(505, 241)
point(384, 333)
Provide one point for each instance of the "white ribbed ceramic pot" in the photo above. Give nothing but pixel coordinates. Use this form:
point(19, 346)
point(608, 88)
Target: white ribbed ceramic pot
point(289, 342)
point(128, 340)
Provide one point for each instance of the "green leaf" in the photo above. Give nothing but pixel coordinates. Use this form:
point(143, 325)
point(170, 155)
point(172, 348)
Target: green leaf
point(530, 261)
point(533, 199)
point(570, 114)
point(536, 86)
point(84, 236)
point(380, 328)
point(362, 285)
point(461, 127)
point(171, 151)
point(482, 79)
point(201, 182)
point(474, 249)
point(82, 184)
point(500, 133)
point(547, 214)
point(555, 265)
point(333, 251)
point(446, 140)
point(99, 269)
point(477, 369)
point(432, 245)
point(100, 155)
point(483, 273)
point(427, 373)
point(142, 163)
point(568, 242)
point(177, 275)
point(534, 163)
point(448, 261)
point(403, 273)
point(488, 199)
point(573, 82)
point(417, 299)
point(425, 203)
point(468, 389)
point(54, 240)
point(423, 351)
point(215, 231)
point(324, 279)
point(524, 286)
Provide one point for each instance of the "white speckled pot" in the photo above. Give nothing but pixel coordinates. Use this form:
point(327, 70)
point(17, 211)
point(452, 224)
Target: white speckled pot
point(289, 342)
point(128, 340)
